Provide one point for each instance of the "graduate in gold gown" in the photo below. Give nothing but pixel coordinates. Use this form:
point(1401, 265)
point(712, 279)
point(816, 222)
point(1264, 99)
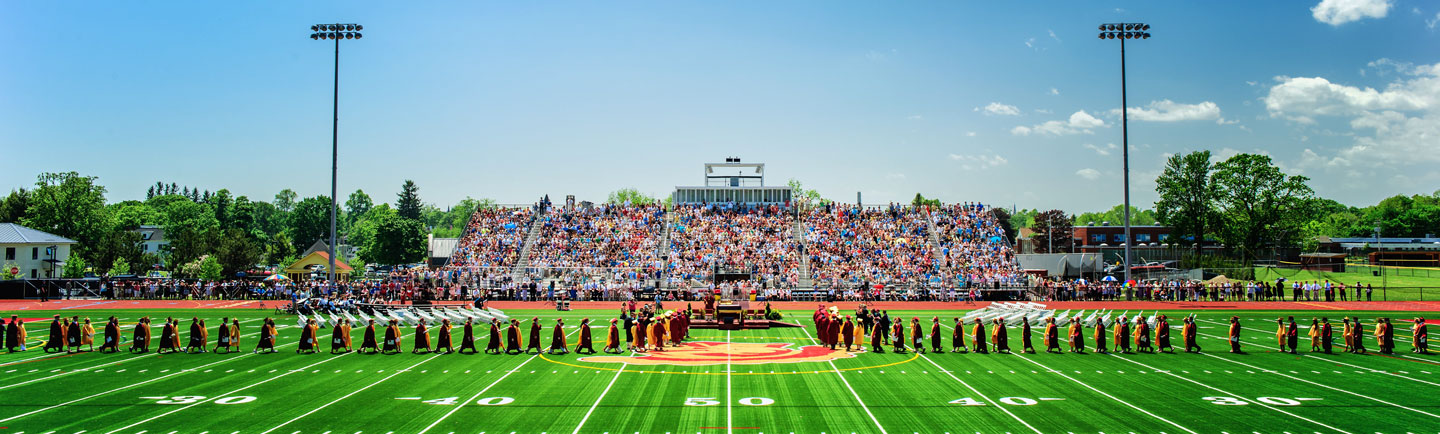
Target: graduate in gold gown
point(612, 338)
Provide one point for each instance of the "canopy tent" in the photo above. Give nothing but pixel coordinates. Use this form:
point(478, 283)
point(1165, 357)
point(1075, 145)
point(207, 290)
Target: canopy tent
point(300, 270)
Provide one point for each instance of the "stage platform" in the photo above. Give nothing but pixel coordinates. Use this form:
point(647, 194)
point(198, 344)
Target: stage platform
point(754, 324)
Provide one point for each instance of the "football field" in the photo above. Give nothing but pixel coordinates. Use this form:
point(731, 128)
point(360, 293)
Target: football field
point(750, 382)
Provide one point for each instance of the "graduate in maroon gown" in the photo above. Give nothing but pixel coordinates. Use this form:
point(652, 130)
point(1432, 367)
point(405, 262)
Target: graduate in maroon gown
point(1162, 335)
point(957, 338)
point(267, 337)
point(557, 338)
point(392, 338)
point(197, 336)
point(847, 332)
point(112, 336)
point(140, 343)
point(168, 337)
point(495, 344)
point(534, 342)
point(467, 337)
point(340, 337)
point(15, 334)
point(1052, 336)
point(56, 342)
point(612, 338)
point(422, 338)
point(586, 344)
point(309, 343)
point(1100, 336)
point(74, 335)
point(935, 337)
point(512, 338)
point(443, 338)
point(369, 342)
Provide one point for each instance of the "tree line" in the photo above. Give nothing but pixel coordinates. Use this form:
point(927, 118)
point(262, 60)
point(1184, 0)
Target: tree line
point(215, 235)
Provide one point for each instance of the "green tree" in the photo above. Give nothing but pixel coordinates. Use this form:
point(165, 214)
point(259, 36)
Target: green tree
point(804, 197)
point(362, 233)
point(74, 268)
point(629, 196)
point(71, 206)
point(14, 207)
point(398, 240)
point(1188, 197)
point(237, 251)
point(5, 273)
point(920, 200)
point(132, 214)
point(223, 205)
point(118, 268)
point(1259, 204)
point(279, 249)
point(119, 245)
point(310, 222)
point(357, 205)
point(210, 269)
point(408, 201)
point(285, 200)
point(191, 228)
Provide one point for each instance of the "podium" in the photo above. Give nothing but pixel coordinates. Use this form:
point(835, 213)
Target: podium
point(730, 316)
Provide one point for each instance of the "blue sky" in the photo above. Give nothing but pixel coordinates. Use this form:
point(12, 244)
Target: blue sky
point(1000, 102)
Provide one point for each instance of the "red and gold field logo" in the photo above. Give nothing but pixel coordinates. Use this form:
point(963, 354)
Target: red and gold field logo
point(734, 353)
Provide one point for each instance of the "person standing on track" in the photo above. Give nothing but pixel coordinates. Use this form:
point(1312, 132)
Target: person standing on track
point(1235, 335)
point(1100, 336)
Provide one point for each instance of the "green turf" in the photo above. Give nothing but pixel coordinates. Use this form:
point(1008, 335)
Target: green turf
point(870, 393)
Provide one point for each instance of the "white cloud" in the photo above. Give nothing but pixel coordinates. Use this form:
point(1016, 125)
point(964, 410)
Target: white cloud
point(1043, 111)
point(1396, 126)
point(895, 176)
point(1337, 12)
point(1088, 173)
point(1102, 150)
point(1052, 36)
point(1080, 122)
point(980, 161)
point(969, 134)
point(1030, 43)
point(996, 108)
point(1054, 91)
point(1169, 111)
point(1252, 83)
point(1430, 24)
point(915, 117)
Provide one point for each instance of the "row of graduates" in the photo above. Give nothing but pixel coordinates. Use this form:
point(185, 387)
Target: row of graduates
point(1322, 334)
point(997, 339)
point(650, 331)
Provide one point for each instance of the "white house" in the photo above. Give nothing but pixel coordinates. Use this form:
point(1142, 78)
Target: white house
point(36, 254)
point(152, 239)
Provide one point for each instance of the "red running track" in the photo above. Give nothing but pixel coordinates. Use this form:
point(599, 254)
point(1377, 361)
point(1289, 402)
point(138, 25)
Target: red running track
point(1415, 306)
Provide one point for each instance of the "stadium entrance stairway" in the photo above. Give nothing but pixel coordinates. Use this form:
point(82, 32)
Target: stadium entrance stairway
point(798, 234)
point(517, 273)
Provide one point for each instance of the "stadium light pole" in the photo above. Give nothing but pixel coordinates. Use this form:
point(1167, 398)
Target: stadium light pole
point(1123, 31)
point(334, 32)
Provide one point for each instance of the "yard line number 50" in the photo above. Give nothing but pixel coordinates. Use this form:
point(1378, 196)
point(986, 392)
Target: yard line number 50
point(706, 402)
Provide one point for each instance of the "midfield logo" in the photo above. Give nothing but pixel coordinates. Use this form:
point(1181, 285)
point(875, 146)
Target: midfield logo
point(734, 353)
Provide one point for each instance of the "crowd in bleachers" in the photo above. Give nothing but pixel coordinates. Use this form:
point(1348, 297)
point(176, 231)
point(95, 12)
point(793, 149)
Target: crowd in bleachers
point(974, 246)
point(493, 238)
point(605, 236)
point(756, 240)
point(853, 246)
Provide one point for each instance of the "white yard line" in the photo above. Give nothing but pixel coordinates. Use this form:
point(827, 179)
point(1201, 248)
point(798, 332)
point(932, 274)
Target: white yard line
point(981, 395)
point(1272, 371)
point(597, 400)
point(7, 386)
point(482, 391)
point(729, 414)
point(1372, 370)
point(226, 394)
point(852, 389)
point(362, 389)
point(1233, 395)
point(132, 385)
point(1088, 386)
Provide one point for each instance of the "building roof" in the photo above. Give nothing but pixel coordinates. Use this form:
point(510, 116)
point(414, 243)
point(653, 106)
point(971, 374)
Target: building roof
point(1385, 240)
point(153, 234)
point(319, 246)
point(11, 233)
point(316, 258)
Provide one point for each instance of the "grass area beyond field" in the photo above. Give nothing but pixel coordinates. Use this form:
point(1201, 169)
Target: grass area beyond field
point(728, 382)
point(1398, 283)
